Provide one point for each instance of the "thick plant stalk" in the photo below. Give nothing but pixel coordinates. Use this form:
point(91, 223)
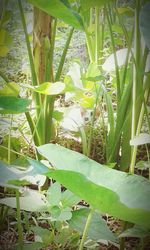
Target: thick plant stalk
point(41, 32)
point(136, 79)
point(49, 100)
point(87, 225)
point(34, 76)
point(134, 152)
point(89, 41)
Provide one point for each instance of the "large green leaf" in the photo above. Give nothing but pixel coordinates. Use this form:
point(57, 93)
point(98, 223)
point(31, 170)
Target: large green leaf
point(144, 23)
point(59, 9)
point(98, 228)
point(122, 195)
point(13, 105)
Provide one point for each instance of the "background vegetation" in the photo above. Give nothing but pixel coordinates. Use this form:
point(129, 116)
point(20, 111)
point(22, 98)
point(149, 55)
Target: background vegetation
point(75, 95)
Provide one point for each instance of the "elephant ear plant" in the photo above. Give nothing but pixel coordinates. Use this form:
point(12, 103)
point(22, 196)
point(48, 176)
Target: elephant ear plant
point(122, 195)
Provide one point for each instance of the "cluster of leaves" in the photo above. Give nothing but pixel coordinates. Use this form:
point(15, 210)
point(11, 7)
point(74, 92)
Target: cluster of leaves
point(106, 190)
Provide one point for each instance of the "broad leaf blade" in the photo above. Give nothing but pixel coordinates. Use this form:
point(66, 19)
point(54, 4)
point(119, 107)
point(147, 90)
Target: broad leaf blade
point(98, 228)
point(13, 105)
point(59, 9)
point(120, 194)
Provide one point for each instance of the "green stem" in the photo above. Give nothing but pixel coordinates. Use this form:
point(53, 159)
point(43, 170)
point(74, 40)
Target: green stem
point(33, 129)
point(87, 225)
point(84, 141)
point(115, 58)
point(135, 81)
point(20, 231)
point(34, 76)
point(63, 57)
point(33, 72)
point(97, 31)
point(89, 39)
point(49, 100)
point(11, 150)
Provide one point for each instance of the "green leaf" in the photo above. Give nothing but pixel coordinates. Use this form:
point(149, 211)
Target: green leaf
point(13, 105)
point(54, 194)
point(44, 234)
point(93, 71)
point(94, 3)
point(60, 213)
point(31, 201)
point(32, 246)
point(119, 194)
point(10, 89)
point(144, 23)
point(59, 9)
point(141, 139)
point(98, 228)
point(69, 199)
point(58, 115)
point(48, 88)
point(136, 231)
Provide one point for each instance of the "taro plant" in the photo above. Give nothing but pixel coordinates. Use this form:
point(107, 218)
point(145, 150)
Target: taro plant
point(88, 180)
point(55, 208)
point(128, 66)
